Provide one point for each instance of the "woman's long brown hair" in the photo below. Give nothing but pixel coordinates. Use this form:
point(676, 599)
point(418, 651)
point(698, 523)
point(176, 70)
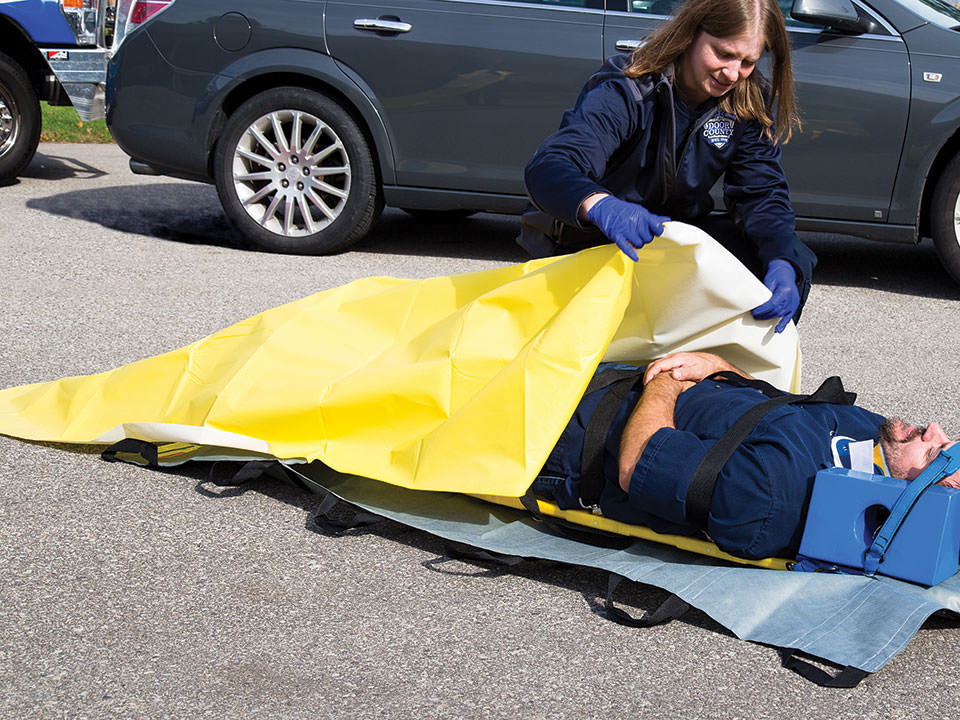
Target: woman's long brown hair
point(726, 19)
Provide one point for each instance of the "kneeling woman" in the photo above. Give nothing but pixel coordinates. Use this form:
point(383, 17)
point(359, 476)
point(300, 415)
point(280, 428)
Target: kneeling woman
point(653, 132)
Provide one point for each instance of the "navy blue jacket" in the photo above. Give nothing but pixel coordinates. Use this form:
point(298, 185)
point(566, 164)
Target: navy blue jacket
point(619, 138)
point(762, 494)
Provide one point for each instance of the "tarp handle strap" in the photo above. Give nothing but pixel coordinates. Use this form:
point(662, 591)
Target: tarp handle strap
point(321, 521)
point(943, 465)
point(460, 551)
point(848, 677)
point(620, 382)
point(700, 490)
point(670, 609)
point(254, 469)
point(133, 451)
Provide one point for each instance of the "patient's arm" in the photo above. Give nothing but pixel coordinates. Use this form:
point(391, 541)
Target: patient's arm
point(653, 411)
point(693, 366)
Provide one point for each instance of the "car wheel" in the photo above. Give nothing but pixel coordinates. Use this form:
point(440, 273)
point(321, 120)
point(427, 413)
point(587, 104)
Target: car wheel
point(295, 174)
point(945, 218)
point(19, 119)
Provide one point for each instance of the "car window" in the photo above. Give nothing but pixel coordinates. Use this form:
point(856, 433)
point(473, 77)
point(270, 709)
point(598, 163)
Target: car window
point(785, 6)
point(589, 4)
point(939, 12)
point(666, 7)
point(879, 27)
point(654, 7)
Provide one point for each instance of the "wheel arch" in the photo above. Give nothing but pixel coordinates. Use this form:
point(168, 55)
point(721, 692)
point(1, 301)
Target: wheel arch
point(15, 42)
point(328, 79)
point(944, 155)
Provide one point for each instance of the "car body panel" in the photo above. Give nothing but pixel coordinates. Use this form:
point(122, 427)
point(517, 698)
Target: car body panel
point(472, 87)
point(934, 116)
point(183, 143)
point(854, 99)
point(456, 104)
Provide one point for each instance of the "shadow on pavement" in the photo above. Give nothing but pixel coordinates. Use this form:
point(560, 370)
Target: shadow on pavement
point(894, 267)
point(191, 213)
point(58, 167)
point(180, 212)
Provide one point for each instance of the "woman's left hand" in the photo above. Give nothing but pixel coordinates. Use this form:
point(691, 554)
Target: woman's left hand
point(781, 280)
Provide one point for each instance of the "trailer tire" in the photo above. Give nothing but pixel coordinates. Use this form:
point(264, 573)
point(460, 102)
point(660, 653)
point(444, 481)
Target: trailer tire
point(19, 119)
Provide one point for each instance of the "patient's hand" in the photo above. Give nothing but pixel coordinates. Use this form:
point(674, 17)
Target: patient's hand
point(691, 366)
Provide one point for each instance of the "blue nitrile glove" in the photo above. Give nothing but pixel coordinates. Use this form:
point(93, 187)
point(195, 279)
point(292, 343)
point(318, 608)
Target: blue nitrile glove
point(629, 225)
point(781, 280)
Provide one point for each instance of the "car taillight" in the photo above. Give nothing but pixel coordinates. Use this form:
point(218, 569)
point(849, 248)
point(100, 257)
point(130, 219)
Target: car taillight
point(143, 10)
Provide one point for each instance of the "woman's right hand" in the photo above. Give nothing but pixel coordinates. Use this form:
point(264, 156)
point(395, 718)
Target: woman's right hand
point(629, 225)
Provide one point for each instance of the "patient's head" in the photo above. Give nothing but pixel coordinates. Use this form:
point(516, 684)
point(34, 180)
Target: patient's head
point(908, 449)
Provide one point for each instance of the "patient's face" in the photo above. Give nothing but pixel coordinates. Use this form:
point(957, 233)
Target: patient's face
point(908, 449)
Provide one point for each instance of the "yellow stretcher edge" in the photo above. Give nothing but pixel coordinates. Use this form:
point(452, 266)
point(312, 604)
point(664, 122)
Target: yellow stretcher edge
point(682, 542)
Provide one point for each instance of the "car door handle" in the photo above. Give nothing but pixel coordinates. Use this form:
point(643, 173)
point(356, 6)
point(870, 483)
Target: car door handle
point(625, 45)
point(378, 25)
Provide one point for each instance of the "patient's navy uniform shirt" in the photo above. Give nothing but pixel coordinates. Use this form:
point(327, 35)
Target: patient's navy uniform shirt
point(762, 493)
point(625, 136)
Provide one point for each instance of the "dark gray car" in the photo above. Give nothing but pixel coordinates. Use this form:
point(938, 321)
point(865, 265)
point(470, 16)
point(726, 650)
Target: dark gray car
point(310, 115)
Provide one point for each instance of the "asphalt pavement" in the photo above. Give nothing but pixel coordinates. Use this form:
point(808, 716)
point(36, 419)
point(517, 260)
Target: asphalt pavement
point(126, 593)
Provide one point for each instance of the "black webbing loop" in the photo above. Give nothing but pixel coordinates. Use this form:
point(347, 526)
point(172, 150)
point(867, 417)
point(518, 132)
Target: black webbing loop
point(460, 551)
point(620, 382)
point(321, 521)
point(133, 451)
point(670, 609)
point(700, 490)
point(249, 471)
point(848, 677)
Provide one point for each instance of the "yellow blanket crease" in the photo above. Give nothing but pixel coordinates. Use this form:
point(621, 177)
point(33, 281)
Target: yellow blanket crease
point(461, 383)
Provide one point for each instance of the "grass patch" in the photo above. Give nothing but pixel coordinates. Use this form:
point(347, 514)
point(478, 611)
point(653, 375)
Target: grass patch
point(62, 124)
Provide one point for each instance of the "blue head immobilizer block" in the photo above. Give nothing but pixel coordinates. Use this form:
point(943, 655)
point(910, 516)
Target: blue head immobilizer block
point(848, 508)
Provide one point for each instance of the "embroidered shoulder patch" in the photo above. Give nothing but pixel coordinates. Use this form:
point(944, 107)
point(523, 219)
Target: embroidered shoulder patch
point(718, 130)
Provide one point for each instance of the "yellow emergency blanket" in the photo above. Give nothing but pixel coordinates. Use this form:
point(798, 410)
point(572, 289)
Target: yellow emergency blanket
point(460, 383)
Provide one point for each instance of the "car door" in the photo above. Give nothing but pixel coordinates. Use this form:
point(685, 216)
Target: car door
point(468, 88)
point(854, 96)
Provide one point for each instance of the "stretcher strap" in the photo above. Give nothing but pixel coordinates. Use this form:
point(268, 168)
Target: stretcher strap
point(700, 490)
point(620, 382)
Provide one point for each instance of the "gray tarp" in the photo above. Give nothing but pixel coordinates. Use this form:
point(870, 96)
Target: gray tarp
point(848, 620)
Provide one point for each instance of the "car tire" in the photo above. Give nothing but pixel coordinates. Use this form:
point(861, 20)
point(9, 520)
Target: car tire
point(295, 173)
point(19, 119)
point(945, 218)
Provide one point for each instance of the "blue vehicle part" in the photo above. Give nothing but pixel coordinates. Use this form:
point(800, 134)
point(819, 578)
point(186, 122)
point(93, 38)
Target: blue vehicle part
point(41, 19)
point(855, 516)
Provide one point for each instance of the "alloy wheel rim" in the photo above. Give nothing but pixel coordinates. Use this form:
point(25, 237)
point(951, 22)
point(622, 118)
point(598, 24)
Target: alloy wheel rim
point(956, 220)
point(9, 127)
point(291, 173)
